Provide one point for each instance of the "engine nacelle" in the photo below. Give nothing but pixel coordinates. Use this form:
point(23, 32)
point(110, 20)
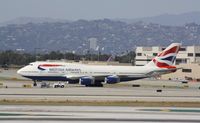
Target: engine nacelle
point(112, 79)
point(87, 80)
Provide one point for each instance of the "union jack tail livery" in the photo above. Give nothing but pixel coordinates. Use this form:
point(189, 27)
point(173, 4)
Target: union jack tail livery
point(166, 58)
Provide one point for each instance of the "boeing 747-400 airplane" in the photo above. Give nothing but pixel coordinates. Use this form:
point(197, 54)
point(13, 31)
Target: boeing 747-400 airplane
point(94, 75)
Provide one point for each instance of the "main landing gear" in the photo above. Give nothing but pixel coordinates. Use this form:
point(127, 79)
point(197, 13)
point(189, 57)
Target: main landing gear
point(95, 85)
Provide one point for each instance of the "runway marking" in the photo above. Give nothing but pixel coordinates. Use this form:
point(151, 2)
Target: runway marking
point(75, 95)
point(102, 119)
point(27, 114)
point(97, 114)
point(173, 110)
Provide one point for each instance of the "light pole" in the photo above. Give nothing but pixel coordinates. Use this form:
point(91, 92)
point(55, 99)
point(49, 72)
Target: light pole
point(36, 57)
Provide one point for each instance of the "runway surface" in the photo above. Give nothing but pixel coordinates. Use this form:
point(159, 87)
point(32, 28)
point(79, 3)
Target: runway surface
point(111, 114)
point(101, 94)
point(123, 95)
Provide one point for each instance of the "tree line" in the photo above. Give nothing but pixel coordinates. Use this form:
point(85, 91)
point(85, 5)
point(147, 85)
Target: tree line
point(18, 58)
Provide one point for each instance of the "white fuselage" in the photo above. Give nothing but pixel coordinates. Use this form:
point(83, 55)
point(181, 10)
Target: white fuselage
point(75, 70)
point(95, 74)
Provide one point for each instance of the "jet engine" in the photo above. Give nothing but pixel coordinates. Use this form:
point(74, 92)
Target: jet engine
point(112, 79)
point(87, 80)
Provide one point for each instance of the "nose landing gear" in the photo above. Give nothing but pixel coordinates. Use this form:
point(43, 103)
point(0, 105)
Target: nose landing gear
point(34, 83)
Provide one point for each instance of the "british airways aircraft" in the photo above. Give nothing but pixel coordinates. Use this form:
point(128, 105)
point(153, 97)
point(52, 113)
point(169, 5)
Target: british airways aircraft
point(94, 75)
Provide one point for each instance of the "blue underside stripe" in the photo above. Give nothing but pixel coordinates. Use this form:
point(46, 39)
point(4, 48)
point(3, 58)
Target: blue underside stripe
point(60, 78)
point(48, 78)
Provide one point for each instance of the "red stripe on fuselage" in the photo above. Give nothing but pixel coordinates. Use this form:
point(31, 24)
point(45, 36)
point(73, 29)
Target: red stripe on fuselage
point(50, 65)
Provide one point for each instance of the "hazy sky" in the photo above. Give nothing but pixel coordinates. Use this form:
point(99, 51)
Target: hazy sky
point(93, 9)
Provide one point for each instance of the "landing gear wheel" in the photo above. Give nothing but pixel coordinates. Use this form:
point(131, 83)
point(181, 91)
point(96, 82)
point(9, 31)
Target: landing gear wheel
point(35, 84)
point(95, 85)
point(99, 85)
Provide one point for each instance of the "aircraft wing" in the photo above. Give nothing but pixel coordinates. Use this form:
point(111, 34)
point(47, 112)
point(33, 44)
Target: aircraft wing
point(74, 77)
point(102, 77)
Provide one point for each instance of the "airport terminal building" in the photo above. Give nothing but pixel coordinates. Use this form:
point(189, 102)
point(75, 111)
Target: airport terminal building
point(188, 58)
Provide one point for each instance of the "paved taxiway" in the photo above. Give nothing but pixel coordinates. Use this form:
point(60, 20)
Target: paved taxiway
point(171, 92)
point(98, 94)
point(28, 113)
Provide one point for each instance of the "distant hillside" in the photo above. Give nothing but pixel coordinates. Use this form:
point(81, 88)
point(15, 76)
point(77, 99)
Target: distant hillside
point(169, 19)
point(25, 20)
point(112, 36)
point(164, 19)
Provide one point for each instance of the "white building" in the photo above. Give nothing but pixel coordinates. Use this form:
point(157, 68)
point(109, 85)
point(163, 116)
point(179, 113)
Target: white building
point(187, 54)
point(93, 43)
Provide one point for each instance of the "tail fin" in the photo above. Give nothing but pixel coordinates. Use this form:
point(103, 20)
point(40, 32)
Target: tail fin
point(166, 58)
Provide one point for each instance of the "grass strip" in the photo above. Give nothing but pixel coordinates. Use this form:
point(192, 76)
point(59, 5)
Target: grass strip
point(99, 103)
